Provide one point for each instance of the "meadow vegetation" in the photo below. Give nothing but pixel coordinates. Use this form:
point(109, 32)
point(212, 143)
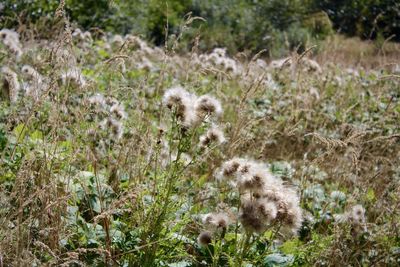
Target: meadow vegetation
point(115, 152)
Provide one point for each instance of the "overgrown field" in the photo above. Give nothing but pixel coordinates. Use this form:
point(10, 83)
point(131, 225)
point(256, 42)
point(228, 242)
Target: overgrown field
point(116, 153)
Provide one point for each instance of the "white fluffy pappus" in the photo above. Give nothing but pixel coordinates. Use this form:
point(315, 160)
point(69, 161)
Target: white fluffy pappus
point(112, 126)
point(10, 39)
point(213, 135)
point(118, 111)
point(73, 76)
point(182, 101)
point(207, 105)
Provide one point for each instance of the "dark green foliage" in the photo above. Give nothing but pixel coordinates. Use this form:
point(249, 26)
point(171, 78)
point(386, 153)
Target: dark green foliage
point(236, 24)
point(278, 25)
point(365, 18)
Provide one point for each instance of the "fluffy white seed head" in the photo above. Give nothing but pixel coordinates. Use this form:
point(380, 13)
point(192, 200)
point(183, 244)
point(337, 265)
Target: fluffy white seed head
point(207, 105)
point(216, 220)
point(268, 210)
point(10, 39)
point(251, 217)
point(357, 215)
point(73, 76)
point(229, 168)
point(117, 41)
point(32, 74)
point(214, 135)
point(204, 238)
point(182, 102)
point(113, 127)
point(118, 111)
point(7, 34)
point(221, 52)
point(97, 99)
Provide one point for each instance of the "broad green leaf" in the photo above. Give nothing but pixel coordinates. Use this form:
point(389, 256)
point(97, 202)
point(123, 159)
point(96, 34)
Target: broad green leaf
point(20, 131)
point(277, 259)
point(290, 246)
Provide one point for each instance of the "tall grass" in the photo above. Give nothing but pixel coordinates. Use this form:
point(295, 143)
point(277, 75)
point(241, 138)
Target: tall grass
point(114, 157)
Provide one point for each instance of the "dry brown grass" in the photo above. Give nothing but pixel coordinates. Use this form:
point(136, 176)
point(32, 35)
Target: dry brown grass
point(353, 52)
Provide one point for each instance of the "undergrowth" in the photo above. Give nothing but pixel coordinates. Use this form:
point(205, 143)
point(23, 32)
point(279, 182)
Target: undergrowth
point(116, 153)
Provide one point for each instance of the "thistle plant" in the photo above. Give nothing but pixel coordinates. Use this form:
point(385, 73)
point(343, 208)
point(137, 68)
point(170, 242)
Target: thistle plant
point(114, 152)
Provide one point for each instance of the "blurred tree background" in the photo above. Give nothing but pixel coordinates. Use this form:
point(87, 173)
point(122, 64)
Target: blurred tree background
point(239, 25)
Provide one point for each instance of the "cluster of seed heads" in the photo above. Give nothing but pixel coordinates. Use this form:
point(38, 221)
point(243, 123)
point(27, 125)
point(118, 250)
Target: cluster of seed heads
point(10, 39)
point(214, 223)
point(33, 83)
point(355, 216)
point(190, 109)
point(265, 200)
point(220, 60)
point(108, 114)
point(82, 39)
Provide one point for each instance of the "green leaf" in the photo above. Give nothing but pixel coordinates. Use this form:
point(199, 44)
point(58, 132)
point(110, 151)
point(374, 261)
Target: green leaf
point(36, 135)
point(290, 246)
point(179, 264)
point(103, 53)
point(231, 237)
point(3, 140)
point(277, 259)
point(95, 203)
point(370, 195)
point(20, 131)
